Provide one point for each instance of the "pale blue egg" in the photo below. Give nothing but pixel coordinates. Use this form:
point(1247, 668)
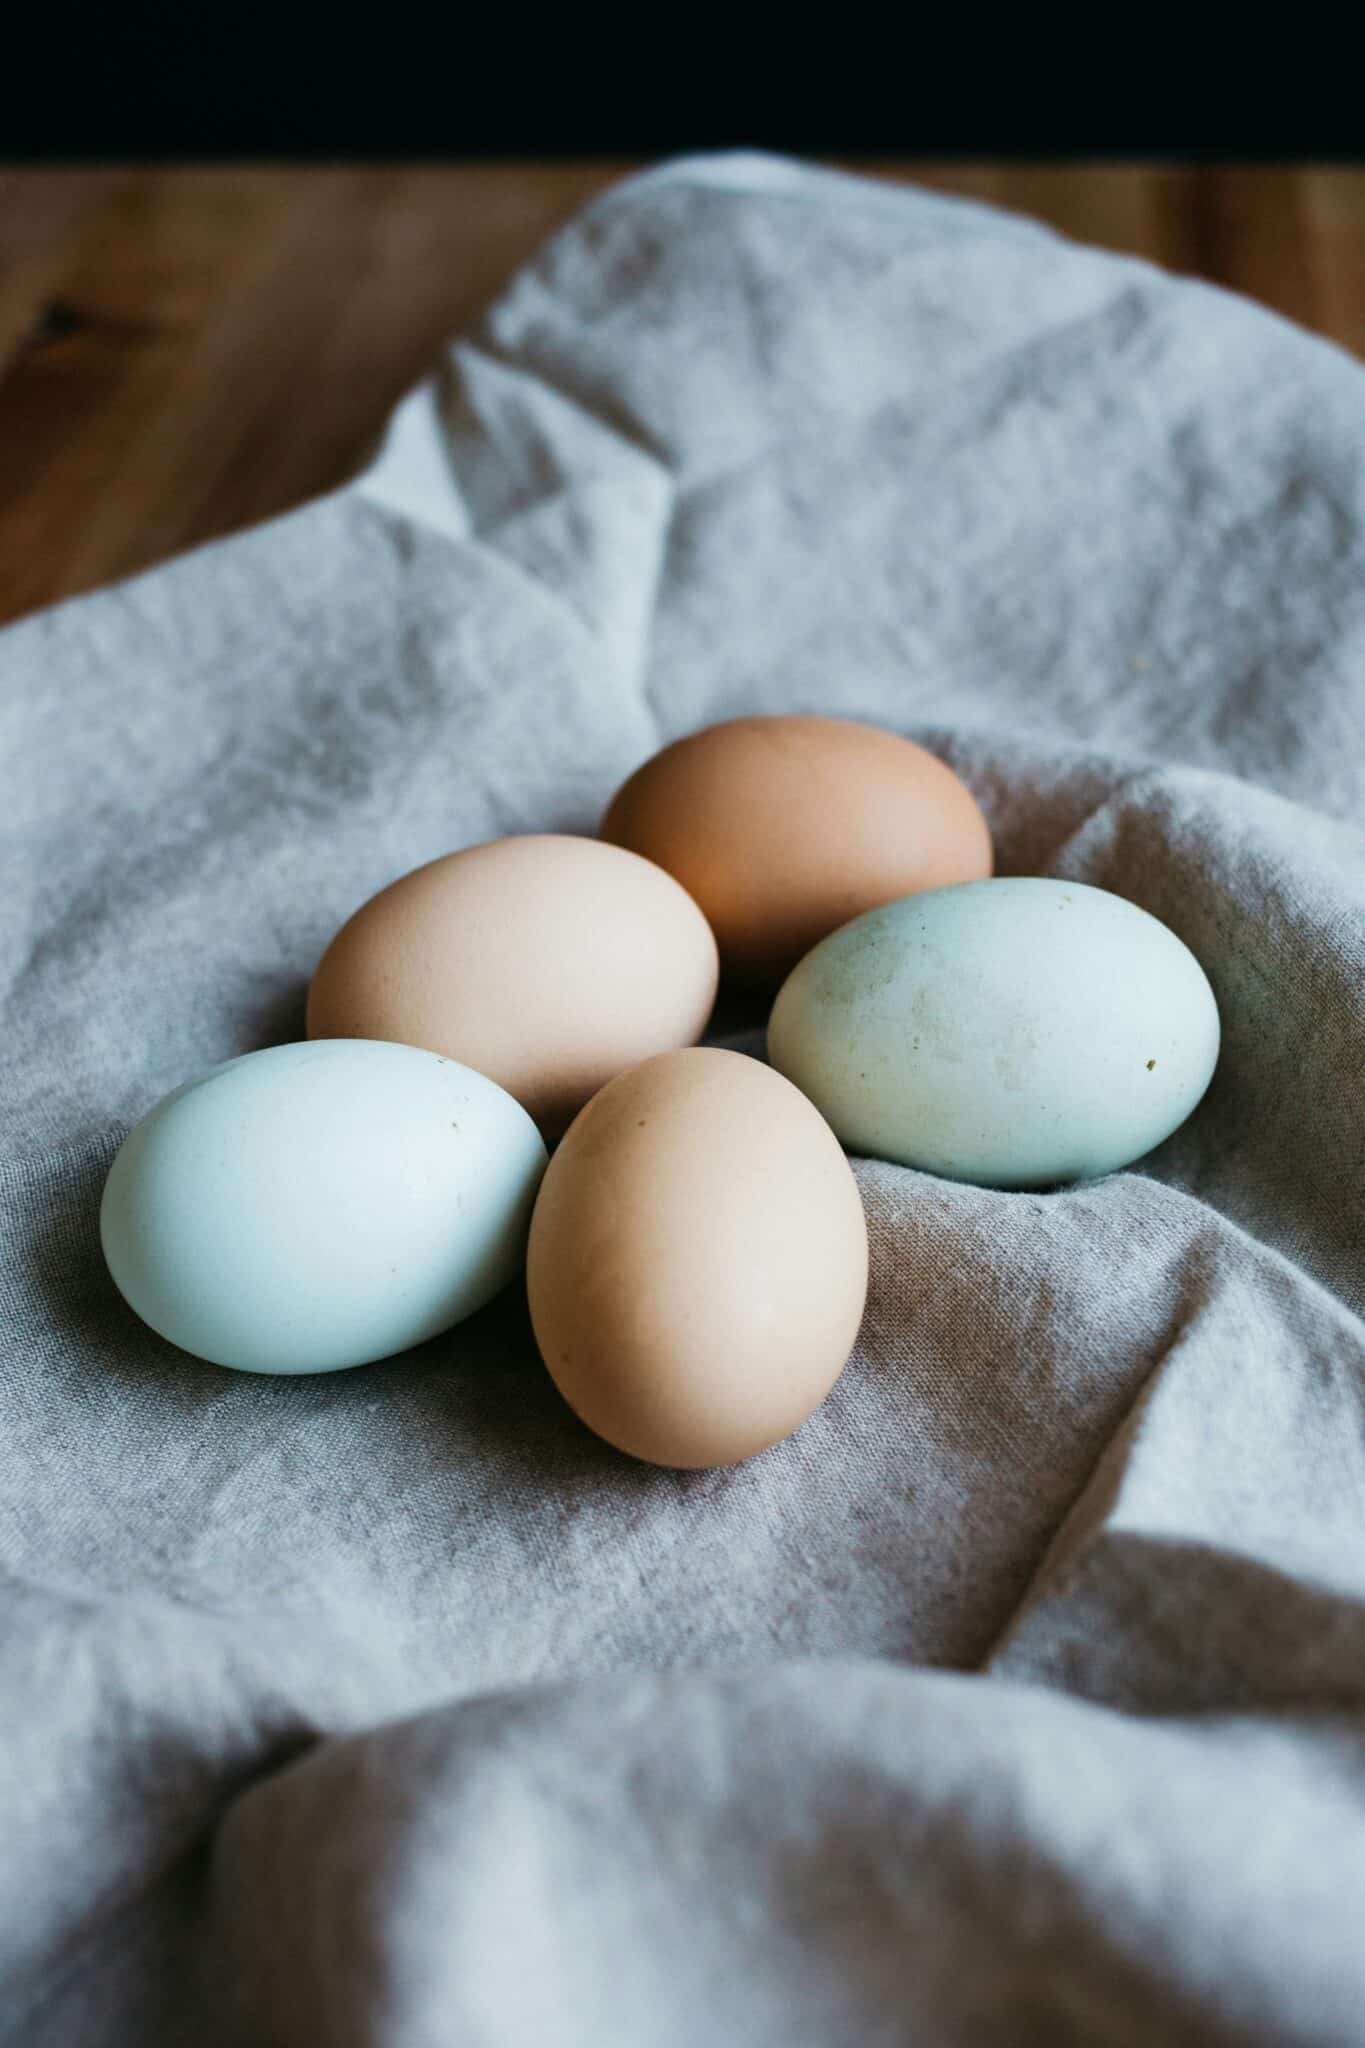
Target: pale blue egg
point(317, 1206)
point(1018, 1032)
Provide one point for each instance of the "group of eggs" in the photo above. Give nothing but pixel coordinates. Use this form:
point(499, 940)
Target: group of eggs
point(695, 1250)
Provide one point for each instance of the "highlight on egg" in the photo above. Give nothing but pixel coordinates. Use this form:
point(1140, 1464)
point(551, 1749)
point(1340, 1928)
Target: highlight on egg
point(1020, 1032)
point(783, 828)
point(548, 962)
point(314, 1207)
point(697, 1264)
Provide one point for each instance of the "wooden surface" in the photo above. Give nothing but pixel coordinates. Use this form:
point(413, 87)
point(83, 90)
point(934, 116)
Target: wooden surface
point(184, 351)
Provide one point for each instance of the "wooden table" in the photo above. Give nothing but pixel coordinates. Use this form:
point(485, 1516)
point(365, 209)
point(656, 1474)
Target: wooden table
point(183, 351)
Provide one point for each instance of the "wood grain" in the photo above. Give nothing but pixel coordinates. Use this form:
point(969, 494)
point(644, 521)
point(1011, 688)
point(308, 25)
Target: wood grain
point(185, 351)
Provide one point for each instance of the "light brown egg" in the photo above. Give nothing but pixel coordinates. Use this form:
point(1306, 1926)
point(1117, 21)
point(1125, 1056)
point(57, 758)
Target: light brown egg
point(785, 828)
point(698, 1260)
point(548, 963)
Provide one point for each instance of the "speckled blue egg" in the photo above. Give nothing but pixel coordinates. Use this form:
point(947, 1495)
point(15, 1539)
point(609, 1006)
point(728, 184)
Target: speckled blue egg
point(1019, 1032)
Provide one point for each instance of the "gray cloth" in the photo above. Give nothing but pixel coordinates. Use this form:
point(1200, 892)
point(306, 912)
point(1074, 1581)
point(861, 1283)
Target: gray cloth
point(1021, 1696)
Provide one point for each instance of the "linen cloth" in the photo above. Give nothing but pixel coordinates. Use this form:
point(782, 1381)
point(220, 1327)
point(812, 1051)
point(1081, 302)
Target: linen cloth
point(1020, 1697)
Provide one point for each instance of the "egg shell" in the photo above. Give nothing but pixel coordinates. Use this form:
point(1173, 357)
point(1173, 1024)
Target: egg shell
point(547, 962)
point(697, 1265)
point(1019, 1032)
point(312, 1207)
point(784, 828)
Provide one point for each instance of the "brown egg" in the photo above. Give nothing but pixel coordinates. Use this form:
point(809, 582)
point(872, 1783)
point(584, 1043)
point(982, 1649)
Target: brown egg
point(784, 828)
point(547, 963)
point(698, 1260)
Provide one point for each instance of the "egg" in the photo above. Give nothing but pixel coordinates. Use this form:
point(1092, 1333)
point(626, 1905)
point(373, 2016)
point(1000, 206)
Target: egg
point(317, 1206)
point(1019, 1032)
point(785, 828)
point(547, 962)
point(697, 1264)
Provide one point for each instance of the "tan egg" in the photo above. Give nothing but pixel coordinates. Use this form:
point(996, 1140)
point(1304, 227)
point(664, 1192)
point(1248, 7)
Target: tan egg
point(785, 828)
point(548, 963)
point(698, 1260)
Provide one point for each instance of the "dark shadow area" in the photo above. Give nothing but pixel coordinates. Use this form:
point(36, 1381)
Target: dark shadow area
point(280, 1019)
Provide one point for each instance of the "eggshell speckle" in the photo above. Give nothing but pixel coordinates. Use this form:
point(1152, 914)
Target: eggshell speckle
point(1018, 1032)
point(698, 1260)
point(547, 962)
point(784, 828)
point(312, 1207)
